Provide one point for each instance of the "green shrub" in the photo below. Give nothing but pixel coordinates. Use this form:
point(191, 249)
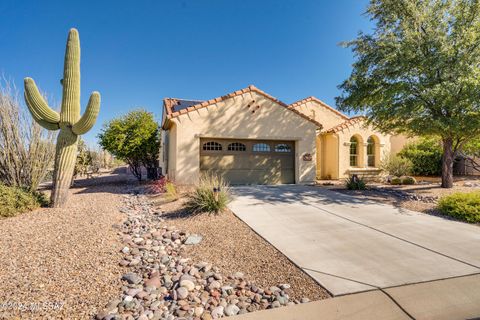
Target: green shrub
point(355, 183)
point(15, 200)
point(396, 166)
point(408, 180)
point(463, 206)
point(396, 181)
point(203, 198)
point(425, 155)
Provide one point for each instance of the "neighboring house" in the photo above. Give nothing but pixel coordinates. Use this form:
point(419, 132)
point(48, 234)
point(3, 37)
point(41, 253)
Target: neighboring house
point(250, 137)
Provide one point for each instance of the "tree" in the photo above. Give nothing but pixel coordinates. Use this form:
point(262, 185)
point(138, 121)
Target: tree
point(417, 72)
point(135, 139)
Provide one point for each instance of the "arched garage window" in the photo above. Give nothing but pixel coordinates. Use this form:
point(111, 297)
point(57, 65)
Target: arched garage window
point(283, 147)
point(236, 146)
point(261, 147)
point(212, 146)
point(371, 151)
point(353, 152)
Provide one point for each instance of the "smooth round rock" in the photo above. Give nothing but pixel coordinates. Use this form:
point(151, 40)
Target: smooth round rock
point(182, 293)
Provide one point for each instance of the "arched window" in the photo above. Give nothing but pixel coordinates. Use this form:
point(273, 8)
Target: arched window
point(283, 147)
point(212, 146)
point(371, 151)
point(236, 146)
point(261, 147)
point(353, 152)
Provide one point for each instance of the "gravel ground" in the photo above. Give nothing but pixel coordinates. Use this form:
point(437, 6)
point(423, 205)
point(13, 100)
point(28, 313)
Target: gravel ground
point(232, 246)
point(161, 281)
point(63, 262)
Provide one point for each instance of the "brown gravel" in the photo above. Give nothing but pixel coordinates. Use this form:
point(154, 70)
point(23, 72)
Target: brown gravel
point(232, 246)
point(66, 256)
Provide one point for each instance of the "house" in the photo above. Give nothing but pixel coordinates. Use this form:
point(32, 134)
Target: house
point(250, 137)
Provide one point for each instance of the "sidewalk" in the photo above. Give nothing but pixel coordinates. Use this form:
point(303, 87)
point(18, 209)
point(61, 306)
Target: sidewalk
point(450, 299)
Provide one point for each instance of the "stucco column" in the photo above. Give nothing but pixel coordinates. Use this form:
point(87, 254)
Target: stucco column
point(365, 155)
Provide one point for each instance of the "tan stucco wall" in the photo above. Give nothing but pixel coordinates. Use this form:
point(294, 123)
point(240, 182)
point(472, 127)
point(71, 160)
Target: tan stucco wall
point(337, 163)
point(398, 141)
point(172, 152)
point(330, 156)
point(320, 113)
point(232, 118)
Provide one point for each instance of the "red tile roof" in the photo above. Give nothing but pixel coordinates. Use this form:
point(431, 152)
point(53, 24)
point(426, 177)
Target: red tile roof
point(323, 104)
point(170, 103)
point(346, 124)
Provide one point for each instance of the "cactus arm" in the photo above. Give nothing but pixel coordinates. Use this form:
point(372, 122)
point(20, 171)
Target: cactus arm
point(37, 104)
point(38, 118)
point(88, 119)
point(70, 112)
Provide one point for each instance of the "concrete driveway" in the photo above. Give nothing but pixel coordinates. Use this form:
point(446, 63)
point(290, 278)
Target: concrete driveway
point(349, 244)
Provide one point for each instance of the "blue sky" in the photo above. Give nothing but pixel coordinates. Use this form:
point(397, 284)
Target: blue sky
point(138, 52)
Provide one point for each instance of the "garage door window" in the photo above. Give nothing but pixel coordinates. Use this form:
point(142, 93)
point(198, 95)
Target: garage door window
point(236, 146)
point(261, 147)
point(282, 147)
point(212, 146)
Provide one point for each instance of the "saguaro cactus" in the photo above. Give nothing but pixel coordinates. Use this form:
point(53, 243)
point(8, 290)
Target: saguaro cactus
point(69, 122)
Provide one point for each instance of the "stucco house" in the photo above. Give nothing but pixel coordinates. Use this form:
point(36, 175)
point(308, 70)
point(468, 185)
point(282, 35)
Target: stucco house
point(250, 137)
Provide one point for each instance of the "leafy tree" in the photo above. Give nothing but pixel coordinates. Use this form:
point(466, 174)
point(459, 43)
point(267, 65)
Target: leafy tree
point(133, 138)
point(417, 72)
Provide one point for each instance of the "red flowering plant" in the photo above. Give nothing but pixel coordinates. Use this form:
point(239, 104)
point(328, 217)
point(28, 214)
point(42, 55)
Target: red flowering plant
point(158, 186)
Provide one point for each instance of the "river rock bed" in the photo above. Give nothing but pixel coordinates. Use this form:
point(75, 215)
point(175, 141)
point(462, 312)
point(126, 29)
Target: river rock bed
point(160, 282)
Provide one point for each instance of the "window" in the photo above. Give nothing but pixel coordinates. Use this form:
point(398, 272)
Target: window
point(261, 147)
point(371, 151)
point(236, 146)
point(212, 146)
point(282, 147)
point(353, 152)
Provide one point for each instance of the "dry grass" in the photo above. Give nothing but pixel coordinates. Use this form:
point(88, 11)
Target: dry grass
point(232, 246)
point(26, 149)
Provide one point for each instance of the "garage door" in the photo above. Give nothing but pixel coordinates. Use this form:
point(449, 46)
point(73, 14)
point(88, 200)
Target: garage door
point(249, 161)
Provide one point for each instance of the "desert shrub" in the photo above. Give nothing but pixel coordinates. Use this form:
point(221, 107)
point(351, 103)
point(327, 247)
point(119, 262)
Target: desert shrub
point(171, 191)
point(396, 166)
point(396, 181)
point(26, 149)
point(355, 183)
point(408, 180)
point(425, 155)
point(463, 206)
point(204, 200)
point(15, 200)
point(158, 186)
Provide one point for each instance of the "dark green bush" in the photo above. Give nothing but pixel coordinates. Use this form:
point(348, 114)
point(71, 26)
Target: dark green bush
point(202, 199)
point(425, 156)
point(463, 206)
point(15, 200)
point(355, 183)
